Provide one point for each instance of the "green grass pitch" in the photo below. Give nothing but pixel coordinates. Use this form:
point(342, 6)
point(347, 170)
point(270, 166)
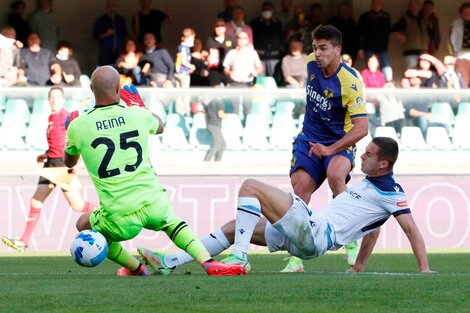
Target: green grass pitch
point(391, 284)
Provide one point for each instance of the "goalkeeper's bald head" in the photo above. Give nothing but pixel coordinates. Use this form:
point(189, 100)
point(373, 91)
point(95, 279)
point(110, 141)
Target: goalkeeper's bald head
point(105, 85)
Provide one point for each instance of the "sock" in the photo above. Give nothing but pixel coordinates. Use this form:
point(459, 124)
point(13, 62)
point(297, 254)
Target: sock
point(121, 256)
point(185, 239)
point(31, 222)
point(248, 214)
point(215, 243)
point(88, 207)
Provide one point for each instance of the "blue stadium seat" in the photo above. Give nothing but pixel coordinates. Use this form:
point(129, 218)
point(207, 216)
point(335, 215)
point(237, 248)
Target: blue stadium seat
point(18, 107)
point(442, 112)
point(177, 120)
point(256, 132)
point(412, 139)
point(284, 107)
point(232, 130)
point(464, 108)
point(386, 131)
point(41, 106)
point(283, 131)
point(12, 132)
point(437, 137)
point(199, 136)
point(174, 138)
point(461, 131)
point(267, 82)
point(36, 132)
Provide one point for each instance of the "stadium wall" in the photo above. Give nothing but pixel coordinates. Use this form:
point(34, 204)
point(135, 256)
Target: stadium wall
point(440, 205)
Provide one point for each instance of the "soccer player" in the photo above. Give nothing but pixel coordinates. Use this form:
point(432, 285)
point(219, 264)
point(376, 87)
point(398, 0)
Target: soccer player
point(113, 142)
point(335, 120)
point(289, 224)
point(52, 158)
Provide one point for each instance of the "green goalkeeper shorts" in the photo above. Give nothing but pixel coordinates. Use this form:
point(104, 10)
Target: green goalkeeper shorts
point(155, 216)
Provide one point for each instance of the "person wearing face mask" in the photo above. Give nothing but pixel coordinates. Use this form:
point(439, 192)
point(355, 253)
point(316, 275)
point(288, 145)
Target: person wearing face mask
point(267, 38)
point(293, 66)
point(64, 67)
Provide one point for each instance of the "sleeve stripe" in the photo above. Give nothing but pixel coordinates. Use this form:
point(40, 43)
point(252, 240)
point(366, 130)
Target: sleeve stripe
point(359, 115)
point(400, 212)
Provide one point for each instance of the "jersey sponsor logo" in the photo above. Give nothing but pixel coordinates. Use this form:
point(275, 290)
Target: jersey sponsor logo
point(110, 123)
point(321, 102)
point(402, 204)
point(353, 194)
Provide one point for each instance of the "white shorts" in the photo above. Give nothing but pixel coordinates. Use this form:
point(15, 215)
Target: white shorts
point(301, 232)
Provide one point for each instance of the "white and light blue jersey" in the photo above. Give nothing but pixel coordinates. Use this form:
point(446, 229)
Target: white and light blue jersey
point(363, 207)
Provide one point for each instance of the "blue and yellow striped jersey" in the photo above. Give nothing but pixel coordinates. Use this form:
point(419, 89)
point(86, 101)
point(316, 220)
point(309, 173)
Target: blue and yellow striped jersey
point(332, 102)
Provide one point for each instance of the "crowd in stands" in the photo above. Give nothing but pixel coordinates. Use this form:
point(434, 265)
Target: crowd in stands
point(275, 43)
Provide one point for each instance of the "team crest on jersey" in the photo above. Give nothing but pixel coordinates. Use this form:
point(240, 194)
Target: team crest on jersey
point(293, 162)
point(312, 77)
point(328, 93)
point(358, 103)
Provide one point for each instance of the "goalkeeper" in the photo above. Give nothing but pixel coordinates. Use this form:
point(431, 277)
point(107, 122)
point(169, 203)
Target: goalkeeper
point(113, 142)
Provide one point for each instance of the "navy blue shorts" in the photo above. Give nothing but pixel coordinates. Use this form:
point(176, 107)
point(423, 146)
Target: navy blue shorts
point(314, 166)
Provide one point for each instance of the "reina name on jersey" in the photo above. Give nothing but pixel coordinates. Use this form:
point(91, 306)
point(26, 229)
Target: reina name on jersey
point(110, 123)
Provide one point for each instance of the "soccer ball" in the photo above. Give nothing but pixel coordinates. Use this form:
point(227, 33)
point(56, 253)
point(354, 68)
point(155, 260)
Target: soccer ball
point(89, 248)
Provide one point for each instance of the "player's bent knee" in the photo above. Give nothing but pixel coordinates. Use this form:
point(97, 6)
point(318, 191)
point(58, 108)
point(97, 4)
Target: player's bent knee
point(249, 187)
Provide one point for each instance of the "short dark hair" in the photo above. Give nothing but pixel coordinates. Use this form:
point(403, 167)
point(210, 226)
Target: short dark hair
point(55, 88)
point(328, 32)
point(464, 6)
point(388, 150)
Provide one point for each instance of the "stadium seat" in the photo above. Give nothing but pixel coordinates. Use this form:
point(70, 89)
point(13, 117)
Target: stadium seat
point(232, 131)
point(464, 108)
point(282, 132)
point(174, 138)
point(442, 112)
point(85, 81)
point(362, 144)
point(155, 144)
point(437, 137)
point(177, 120)
point(12, 132)
point(262, 107)
point(461, 131)
point(41, 106)
point(18, 107)
point(156, 107)
point(36, 132)
point(199, 136)
point(412, 139)
point(386, 131)
point(267, 82)
point(256, 132)
point(284, 107)
point(72, 104)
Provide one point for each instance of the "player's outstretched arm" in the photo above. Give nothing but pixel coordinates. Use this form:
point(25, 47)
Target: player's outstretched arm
point(408, 225)
point(367, 245)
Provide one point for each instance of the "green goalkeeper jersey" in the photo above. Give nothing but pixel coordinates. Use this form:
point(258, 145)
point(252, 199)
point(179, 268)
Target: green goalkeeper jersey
point(113, 143)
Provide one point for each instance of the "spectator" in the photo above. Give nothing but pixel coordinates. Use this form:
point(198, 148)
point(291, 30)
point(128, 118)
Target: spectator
point(214, 114)
point(286, 15)
point(451, 79)
point(46, 23)
point(200, 75)
point(460, 42)
point(149, 20)
point(432, 26)
point(297, 28)
point(372, 76)
point(411, 31)
point(11, 61)
point(183, 70)
point(65, 68)
point(226, 14)
point(294, 67)
point(110, 31)
point(237, 24)
point(127, 63)
point(314, 19)
point(267, 38)
point(17, 21)
point(429, 70)
point(218, 45)
point(392, 111)
point(374, 32)
point(37, 61)
point(417, 108)
point(348, 28)
point(157, 64)
point(242, 65)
